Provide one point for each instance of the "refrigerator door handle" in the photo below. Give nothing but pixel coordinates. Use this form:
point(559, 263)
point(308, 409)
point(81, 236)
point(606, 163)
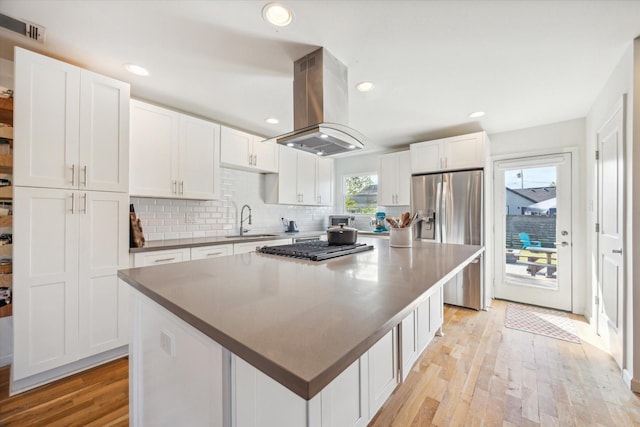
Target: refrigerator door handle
point(437, 223)
point(444, 194)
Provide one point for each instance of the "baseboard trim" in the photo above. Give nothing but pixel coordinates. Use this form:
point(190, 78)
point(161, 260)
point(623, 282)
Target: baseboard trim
point(632, 383)
point(28, 383)
point(5, 360)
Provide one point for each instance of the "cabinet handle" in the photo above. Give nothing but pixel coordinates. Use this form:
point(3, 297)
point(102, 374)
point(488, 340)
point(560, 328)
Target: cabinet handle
point(73, 203)
point(214, 253)
point(164, 259)
point(85, 203)
point(255, 160)
point(250, 159)
point(616, 251)
point(182, 187)
point(84, 172)
point(175, 187)
point(73, 175)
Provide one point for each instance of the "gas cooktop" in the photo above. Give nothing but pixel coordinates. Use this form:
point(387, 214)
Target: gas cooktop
point(315, 251)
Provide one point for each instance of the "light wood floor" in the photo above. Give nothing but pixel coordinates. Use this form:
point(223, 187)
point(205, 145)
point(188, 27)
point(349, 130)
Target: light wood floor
point(479, 374)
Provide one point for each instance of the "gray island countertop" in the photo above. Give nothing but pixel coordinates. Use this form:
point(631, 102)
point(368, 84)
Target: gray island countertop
point(301, 322)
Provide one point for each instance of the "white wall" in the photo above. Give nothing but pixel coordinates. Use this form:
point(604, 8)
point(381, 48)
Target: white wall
point(620, 82)
point(166, 218)
point(555, 138)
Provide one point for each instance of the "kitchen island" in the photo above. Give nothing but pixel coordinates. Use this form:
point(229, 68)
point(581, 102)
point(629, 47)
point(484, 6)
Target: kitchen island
point(261, 340)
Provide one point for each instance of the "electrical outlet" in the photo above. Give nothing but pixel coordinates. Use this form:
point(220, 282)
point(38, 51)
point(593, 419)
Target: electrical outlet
point(189, 217)
point(167, 343)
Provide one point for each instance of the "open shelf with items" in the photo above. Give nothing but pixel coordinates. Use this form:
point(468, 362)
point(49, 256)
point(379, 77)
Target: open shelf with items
point(6, 196)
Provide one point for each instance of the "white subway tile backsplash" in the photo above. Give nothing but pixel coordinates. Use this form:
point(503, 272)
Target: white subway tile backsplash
point(166, 218)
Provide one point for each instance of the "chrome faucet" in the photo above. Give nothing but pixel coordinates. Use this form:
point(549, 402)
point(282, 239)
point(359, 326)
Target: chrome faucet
point(242, 220)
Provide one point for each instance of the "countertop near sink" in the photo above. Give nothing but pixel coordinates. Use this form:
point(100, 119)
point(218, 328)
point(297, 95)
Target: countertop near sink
point(157, 245)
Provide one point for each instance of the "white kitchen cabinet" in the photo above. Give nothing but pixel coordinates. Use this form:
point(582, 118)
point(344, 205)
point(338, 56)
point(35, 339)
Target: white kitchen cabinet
point(213, 251)
point(345, 401)
point(458, 152)
point(179, 377)
point(408, 343)
point(394, 179)
point(246, 247)
point(383, 371)
point(166, 256)
point(68, 303)
point(242, 150)
point(302, 179)
point(72, 126)
point(173, 155)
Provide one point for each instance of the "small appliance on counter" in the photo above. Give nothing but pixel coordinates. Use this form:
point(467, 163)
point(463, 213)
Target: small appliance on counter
point(379, 226)
point(336, 220)
point(289, 226)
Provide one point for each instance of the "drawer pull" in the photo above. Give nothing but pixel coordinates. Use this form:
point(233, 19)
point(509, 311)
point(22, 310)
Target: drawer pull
point(165, 259)
point(214, 253)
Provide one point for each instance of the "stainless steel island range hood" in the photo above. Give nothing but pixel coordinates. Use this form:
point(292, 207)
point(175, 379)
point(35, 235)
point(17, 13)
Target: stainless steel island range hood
point(321, 107)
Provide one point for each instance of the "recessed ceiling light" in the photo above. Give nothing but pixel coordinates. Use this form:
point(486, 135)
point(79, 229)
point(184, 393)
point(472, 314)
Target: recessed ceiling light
point(136, 69)
point(364, 86)
point(289, 144)
point(351, 147)
point(272, 120)
point(324, 136)
point(476, 114)
point(277, 14)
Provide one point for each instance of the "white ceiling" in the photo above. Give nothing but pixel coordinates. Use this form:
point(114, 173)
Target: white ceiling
point(525, 63)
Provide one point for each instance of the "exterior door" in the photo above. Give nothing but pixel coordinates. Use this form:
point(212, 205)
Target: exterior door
point(533, 230)
point(610, 242)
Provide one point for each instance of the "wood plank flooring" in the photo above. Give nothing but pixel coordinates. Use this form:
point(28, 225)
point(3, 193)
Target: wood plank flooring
point(479, 374)
point(483, 374)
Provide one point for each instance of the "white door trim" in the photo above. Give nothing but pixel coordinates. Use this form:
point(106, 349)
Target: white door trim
point(577, 287)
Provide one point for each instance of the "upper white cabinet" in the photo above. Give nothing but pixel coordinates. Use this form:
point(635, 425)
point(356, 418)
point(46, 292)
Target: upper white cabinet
point(173, 155)
point(69, 303)
point(458, 152)
point(72, 126)
point(302, 179)
point(241, 150)
point(394, 179)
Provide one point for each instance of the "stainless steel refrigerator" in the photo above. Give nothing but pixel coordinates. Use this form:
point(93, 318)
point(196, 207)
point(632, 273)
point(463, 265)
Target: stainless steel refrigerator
point(450, 209)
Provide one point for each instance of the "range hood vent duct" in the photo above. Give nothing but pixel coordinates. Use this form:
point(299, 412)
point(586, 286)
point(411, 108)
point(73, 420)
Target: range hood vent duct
point(24, 28)
point(321, 107)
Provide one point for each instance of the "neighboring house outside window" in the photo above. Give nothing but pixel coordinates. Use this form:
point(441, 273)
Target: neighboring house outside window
point(360, 193)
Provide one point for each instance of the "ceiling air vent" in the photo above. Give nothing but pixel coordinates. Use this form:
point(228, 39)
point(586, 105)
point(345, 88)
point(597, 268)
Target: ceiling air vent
point(27, 29)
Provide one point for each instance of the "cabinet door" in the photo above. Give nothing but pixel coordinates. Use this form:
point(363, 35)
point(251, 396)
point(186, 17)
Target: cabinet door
point(265, 155)
point(423, 326)
point(235, 148)
point(387, 174)
point(466, 151)
point(104, 133)
point(325, 181)
point(46, 120)
point(426, 157)
point(345, 399)
point(45, 277)
point(214, 251)
point(306, 178)
point(383, 371)
point(154, 150)
point(199, 162)
point(403, 174)
point(288, 176)
point(169, 256)
point(104, 249)
point(408, 343)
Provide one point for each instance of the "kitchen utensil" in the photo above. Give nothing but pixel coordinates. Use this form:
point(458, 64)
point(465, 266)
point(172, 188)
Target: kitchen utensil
point(292, 227)
point(342, 235)
point(393, 223)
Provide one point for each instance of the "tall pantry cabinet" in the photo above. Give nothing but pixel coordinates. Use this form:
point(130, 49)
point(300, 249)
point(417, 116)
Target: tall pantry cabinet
point(71, 231)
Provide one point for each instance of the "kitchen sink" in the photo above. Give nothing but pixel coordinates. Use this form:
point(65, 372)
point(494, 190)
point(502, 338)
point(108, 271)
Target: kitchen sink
point(237, 236)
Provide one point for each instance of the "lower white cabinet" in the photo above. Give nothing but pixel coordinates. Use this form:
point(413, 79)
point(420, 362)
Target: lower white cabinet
point(383, 370)
point(214, 251)
point(165, 256)
point(419, 328)
point(68, 302)
point(345, 401)
point(176, 373)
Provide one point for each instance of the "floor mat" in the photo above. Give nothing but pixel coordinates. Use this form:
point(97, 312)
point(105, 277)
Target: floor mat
point(541, 321)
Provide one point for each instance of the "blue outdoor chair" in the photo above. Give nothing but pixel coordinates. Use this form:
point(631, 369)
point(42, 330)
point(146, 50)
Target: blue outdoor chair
point(526, 241)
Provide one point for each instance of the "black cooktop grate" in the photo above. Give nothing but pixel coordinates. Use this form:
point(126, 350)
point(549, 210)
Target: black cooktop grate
point(315, 251)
